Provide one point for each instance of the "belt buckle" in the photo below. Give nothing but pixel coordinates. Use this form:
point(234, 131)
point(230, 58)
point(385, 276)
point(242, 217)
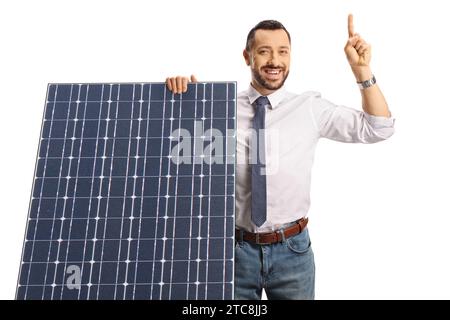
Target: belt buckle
point(257, 238)
point(258, 242)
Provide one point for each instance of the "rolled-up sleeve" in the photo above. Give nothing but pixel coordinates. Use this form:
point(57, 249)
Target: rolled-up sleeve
point(345, 124)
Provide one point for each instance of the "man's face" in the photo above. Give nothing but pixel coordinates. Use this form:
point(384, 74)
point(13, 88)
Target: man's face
point(269, 59)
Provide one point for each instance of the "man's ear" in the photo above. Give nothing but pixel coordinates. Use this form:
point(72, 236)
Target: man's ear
point(246, 57)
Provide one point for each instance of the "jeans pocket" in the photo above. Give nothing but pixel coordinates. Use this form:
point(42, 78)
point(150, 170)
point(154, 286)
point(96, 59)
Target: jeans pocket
point(300, 243)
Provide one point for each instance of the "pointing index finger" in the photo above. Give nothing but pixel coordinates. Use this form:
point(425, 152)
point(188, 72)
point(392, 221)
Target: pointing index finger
point(351, 30)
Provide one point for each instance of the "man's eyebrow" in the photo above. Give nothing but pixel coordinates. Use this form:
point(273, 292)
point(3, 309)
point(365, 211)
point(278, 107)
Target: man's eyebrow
point(265, 47)
point(270, 48)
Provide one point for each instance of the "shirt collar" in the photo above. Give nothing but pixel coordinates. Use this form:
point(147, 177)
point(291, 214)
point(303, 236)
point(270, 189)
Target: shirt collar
point(274, 98)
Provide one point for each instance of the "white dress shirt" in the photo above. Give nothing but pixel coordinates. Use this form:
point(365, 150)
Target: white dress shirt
point(294, 124)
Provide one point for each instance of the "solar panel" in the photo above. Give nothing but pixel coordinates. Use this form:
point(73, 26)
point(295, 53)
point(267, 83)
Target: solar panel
point(133, 195)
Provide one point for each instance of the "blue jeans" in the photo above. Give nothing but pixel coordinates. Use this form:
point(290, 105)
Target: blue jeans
point(285, 270)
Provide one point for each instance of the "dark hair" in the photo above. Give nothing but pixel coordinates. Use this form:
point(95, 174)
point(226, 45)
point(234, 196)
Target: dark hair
point(264, 25)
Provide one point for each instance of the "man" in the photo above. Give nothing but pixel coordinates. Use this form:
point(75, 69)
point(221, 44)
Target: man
point(273, 249)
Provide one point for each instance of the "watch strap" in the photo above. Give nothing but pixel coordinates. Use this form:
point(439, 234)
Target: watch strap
point(367, 83)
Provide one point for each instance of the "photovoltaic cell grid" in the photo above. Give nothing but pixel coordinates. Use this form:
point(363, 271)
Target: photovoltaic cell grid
point(115, 213)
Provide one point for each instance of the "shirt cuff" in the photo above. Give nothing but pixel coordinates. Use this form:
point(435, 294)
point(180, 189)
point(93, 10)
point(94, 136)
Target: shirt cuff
point(378, 122)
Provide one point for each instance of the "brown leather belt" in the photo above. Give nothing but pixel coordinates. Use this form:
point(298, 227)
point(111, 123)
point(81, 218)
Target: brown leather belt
point(272, 237)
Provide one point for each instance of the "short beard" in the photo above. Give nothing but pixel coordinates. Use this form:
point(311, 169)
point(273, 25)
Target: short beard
point(266, 85)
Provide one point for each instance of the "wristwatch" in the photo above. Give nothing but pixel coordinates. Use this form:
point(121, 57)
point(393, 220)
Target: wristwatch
point(368, 83)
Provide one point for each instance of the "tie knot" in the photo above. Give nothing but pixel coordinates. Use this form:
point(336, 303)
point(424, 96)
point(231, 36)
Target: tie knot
point(262, 101)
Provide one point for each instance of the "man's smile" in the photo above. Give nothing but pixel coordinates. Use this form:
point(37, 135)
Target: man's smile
point(273, 74)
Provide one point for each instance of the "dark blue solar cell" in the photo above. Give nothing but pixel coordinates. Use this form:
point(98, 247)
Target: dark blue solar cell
point(58, 129)
point(82, 207)
point(207, 93)
point(95, 92)
point(156, 110)
point(188, 109)
point(157, 93)
point(56, 111)
point(175, 109)
point(64, 92)
point(127, 202)
point(79, 94)
point(126, 92)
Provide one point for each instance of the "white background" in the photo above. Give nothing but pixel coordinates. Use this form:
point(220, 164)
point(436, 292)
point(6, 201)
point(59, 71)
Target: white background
point(380, 213)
